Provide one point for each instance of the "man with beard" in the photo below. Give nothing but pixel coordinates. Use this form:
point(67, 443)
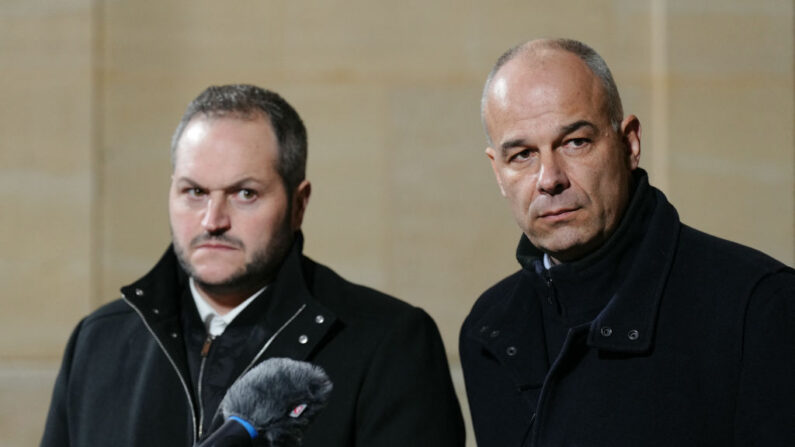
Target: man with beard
point(234, 289)
point(623, 327)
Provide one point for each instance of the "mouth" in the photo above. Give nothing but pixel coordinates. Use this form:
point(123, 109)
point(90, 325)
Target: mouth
point(222, 242)
point(216, 246)
point(558, 214)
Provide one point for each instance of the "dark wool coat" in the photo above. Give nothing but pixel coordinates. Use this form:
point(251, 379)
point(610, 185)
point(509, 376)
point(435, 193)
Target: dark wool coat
point(696, 347)
point(125, 378)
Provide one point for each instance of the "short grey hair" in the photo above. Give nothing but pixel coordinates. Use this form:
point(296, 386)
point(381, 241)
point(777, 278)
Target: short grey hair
point(588, 55)
point(250, 102)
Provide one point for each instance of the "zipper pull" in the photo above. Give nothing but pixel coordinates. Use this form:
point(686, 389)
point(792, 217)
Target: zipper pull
point(206, 346)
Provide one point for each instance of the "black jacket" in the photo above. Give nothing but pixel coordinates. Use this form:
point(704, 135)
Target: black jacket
point(695, 347)
point(125, 378)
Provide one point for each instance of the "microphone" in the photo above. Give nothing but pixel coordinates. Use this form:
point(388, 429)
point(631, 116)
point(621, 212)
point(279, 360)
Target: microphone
point(271, 405)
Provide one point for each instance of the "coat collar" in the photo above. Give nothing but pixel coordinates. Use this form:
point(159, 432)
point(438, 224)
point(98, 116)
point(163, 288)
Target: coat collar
point(156, 298)
point(293, 299)
point(626, 324)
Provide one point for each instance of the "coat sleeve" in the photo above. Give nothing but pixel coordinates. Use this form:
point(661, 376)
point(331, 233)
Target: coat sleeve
point(407, 397)
point(766, 397)
point(56, 429)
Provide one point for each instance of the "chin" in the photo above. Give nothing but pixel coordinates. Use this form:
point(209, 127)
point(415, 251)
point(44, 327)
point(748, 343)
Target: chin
point(214, 277)
point(565, 247)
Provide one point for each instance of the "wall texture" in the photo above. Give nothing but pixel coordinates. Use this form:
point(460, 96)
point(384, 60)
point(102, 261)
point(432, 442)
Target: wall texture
point(403, 197)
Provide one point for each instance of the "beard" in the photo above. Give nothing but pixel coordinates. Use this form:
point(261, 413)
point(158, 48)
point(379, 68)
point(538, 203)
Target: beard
point(252, 276)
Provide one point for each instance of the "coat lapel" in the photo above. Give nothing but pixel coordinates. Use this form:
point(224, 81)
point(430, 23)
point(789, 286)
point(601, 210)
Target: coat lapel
point(298, 323)
point(514, 334)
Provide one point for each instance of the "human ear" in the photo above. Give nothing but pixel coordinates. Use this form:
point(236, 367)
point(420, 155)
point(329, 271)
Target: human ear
point(630, 133)
point(491, 154)
point(300, 202)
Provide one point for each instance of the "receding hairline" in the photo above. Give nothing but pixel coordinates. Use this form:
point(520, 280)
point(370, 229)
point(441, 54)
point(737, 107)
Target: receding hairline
point(253, 114)
point(247, 100)
point(587, 55)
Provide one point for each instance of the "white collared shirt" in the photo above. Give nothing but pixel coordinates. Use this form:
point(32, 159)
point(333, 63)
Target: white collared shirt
point(214, 323)
point(547, 262)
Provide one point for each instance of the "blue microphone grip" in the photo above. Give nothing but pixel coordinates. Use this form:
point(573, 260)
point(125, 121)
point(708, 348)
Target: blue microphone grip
point(235, 432)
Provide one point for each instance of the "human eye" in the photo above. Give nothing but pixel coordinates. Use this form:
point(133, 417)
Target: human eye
point(576, 144)
point(246, 195)
point(193, 192)
point(521, 155)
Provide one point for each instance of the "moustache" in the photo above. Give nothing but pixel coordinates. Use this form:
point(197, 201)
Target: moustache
point(220, 238)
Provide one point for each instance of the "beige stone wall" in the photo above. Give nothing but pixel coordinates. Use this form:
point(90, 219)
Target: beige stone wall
point(403, 200)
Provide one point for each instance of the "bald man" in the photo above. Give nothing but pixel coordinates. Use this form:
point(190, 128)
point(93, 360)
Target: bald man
point(623, 325)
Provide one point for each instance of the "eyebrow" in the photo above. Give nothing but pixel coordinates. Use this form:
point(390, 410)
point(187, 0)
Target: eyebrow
point(186, 180)
point(564, 130)
point(238, 184)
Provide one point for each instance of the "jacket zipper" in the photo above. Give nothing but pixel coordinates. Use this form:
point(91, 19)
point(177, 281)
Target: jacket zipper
point(173, 365)
point(207, 345)
point(204, 353)
point(259, 354)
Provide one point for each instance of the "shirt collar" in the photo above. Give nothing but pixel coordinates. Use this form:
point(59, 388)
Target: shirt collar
point(214, 323)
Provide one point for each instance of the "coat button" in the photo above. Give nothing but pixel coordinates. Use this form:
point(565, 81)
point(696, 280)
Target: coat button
point(484, 328)
point(319, 319)
point(494, 333)
point(156, 311)
point(303, 339)
point(139, 292)
point(511, 351)
point(633, 335)
point(174, 335)
point(606, 331)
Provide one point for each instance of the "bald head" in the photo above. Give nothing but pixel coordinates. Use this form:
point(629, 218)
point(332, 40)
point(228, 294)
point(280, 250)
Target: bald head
point(561, 152)
point(540, 55)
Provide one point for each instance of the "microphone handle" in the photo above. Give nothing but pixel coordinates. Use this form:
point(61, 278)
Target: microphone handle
point(233, 433)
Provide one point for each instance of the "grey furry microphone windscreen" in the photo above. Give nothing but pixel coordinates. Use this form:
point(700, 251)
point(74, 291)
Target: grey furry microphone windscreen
point(271, 405)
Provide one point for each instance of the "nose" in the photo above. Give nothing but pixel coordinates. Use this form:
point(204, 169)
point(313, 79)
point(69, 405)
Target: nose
point(216, 219)
point(552, 178)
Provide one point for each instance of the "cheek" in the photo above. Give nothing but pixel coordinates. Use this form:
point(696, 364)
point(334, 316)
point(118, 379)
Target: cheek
point(182, 222)
point(261, 226)
point(522, 194)
point(611, 196)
